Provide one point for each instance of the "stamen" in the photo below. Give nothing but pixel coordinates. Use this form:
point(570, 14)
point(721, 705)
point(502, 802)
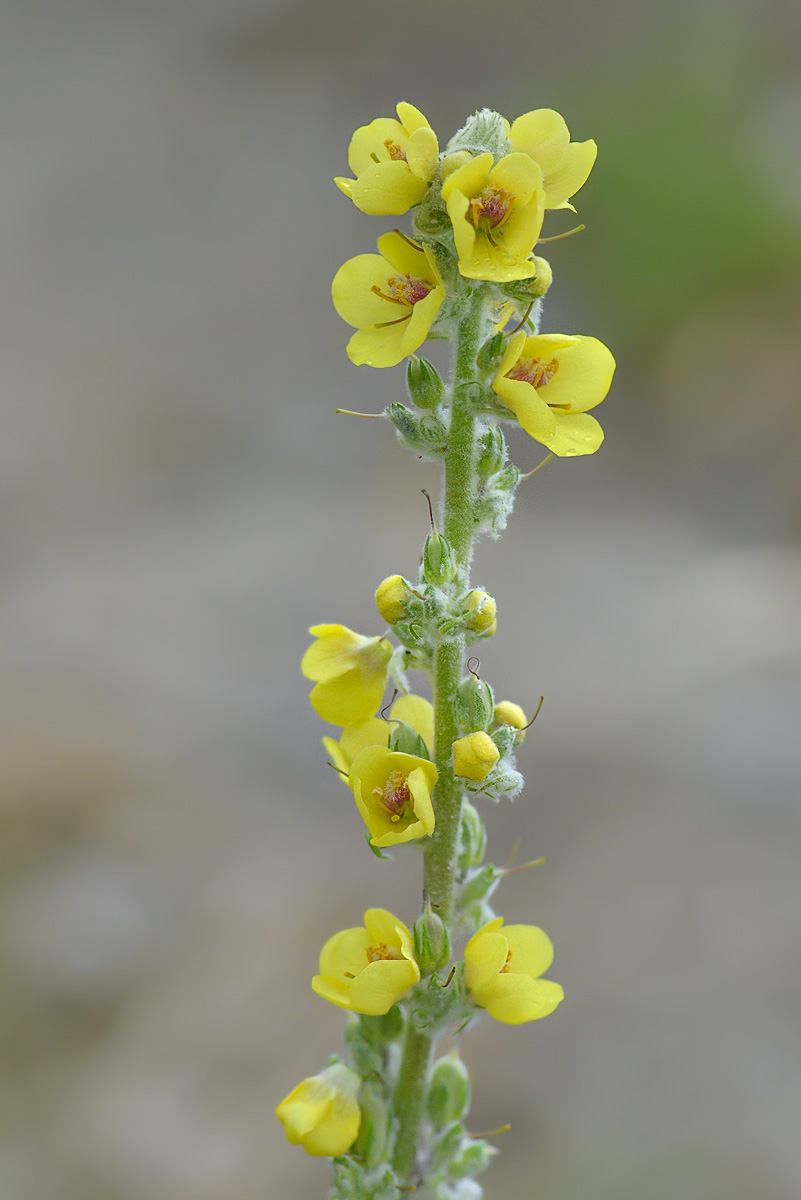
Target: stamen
point(491, 208)
point(505, 966)
point(395, 795)
point(395, 152)
point(534, 371)
point(381, 952)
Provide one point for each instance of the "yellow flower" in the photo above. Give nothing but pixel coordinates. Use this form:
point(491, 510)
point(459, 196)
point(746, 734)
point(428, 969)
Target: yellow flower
point(322, 1112)
point(412, 710)
point(474, 756)
point(502, 969)
point(391, 297)
point(565, 165)
point(393, 794)
point(393, 162)
point(368, 969)
point(550, 381)
point(497, 213)
point(509, 713)
point(351, 671)
point(390, 598)
point(481, 607)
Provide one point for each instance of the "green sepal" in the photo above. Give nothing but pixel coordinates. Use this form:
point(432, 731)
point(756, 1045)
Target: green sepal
point(406, 740)
point(377, 851)
point(448, 1096)
point(432, 945)
point(424, 382)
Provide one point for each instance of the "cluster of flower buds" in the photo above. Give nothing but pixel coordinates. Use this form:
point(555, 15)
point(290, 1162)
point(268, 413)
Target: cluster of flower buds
point(392, 1116)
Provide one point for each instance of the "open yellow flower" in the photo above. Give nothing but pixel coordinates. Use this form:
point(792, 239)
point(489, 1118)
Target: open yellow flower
point(368, 969)
point(412, 710)
point(393, 794)
point(391, 297)
point(550, 381)
point(393, 161)
point(351, 671)
point(497, 214)
point(502, 969)
point(322, 1113)
point(565, 165)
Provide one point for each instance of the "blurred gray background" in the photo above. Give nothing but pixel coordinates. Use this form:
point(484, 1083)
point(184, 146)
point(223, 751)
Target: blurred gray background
point(179, 503)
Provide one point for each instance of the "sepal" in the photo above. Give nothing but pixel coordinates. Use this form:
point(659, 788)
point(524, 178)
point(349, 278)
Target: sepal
point(439, 561)
point(472, 837)
point(424, 382)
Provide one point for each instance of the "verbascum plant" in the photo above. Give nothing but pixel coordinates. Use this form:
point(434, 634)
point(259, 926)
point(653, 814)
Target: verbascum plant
point(391, 1115)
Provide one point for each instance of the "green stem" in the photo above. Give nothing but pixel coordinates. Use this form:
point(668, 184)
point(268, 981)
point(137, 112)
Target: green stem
point(442, 848)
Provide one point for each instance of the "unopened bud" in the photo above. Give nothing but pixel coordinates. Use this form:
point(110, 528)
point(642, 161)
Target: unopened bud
point(425, 383)
point(448, 1092)
point(474, 756)
point(391, 596)
point(432, 946)
point(491, 451)
point(540, 283)
point(452, 162)
point(473, 704)
point(490, 353)
point(481, 609)
point(509, 713)
point(405, 740)
point(439, 561)
point(472, 837)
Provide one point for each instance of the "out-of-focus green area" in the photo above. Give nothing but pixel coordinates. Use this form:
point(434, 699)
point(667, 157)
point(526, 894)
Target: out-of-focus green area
point(180, 502)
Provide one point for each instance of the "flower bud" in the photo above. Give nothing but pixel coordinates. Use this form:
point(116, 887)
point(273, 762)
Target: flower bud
point(491, 451)
point(405, 740)
point(426, 434)
point(490, 353)
point(372, 1140)
point(452, 162)
point(439, 561)
point(425, 383)
point(472, 837)
point(391, 596)
point(448, 1092)
point(474, 756)
point(473, 704)
point(481, 609)
point(509, 713)
point(432, 946)
point(539, 285)
point(322, 1112)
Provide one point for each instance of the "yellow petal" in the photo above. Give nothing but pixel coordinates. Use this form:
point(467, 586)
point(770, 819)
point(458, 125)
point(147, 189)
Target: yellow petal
point(474, 755)
point(522, 229)
point(405, 255)
point(485, 955)
point(518, 174)
point(345, 951)
point(387, 188)
point(344, 184)
point(384, 926)
point(416, 329)
point(422, 153)
point(543, 135)
point(584, 376)
point(352, 696)
point(331, 652)
point(570, 174)
point(352, 292)
point(532, 949)
point(464, 233)
point(512, 352)
point(532, 413)
point(420, 785)
point(372, 732)
point(369, 140)
point(411, 117)
point(575, 434)
point(419, 714)
point(468, 179)
point(334, 990)
point(375, 347)
point(338, 757)
point(517, 998)
point(381, 984)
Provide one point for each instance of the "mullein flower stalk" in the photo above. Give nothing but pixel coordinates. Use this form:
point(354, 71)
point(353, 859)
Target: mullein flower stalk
point(392, 1116)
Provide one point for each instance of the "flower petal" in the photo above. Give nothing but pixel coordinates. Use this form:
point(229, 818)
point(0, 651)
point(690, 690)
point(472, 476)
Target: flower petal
point(518, 174)
point(543, 134)
point(375, 347)
point(532, 413)
point(331, 652)
point(584, 376)
point(420, 784)
point(350, 697)
point(372, 732)
point(345, 951)
point(405, 255)
point(352, 293)
point(532, 949)
point(411, 117)
point(424, 311)
point(387, 188)
point(369, 140)
point(384, 926)
point(422, 153)
point(485, 955)
point(381, 984)
point(517, 998)
point(576, 433)
point(418, 713)
point(570, 174)
point(469, 179)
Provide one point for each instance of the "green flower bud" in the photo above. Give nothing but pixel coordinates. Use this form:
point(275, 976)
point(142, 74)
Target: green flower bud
point(425, 383)
point(432, 946)
point(472, 837)
point(439, 561)
point(371, 1142)
point(479, 886)
point(448, 1092)
point(473, 704)
point(504, 738)
point(490, 354)
point(491, 451)
point(405, 740)
point(391, 597)
point(425, 434)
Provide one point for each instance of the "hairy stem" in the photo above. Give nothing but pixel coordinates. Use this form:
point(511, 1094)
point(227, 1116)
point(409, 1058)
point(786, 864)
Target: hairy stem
point(441, 850)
